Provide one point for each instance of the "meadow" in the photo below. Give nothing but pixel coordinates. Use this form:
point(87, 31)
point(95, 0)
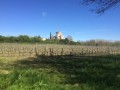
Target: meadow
point(60, 73)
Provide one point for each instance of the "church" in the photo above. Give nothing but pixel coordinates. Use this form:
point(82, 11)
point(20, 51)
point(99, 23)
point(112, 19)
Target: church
point(58, 36)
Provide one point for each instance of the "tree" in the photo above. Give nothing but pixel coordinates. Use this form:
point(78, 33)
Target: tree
point(2, 38)
point(102, 5)
point(11, 39)
point(23, 38)
point(69, 38)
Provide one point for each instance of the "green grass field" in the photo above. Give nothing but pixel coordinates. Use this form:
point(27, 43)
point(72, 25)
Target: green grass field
point(60, 73)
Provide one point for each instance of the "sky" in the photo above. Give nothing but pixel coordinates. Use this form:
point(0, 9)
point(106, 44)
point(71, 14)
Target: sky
point(40, 17)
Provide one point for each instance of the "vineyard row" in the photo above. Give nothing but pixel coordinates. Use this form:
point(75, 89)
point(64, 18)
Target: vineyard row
point(20, 50)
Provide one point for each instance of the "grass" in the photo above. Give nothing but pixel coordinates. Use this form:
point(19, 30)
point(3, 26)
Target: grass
point(60, 73)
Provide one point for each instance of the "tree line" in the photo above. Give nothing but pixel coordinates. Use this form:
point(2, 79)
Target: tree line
point(100, 43)
point(67, 41)
point(36, 39)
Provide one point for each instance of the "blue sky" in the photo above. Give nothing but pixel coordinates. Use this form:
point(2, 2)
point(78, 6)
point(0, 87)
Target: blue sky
point(40, 17)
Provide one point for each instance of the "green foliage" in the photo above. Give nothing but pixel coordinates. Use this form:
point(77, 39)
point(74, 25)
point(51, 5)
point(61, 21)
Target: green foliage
point(2, 38)
point(66, 41)
point(35, 39)
point(23, 38)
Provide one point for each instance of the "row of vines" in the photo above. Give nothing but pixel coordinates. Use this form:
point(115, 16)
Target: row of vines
point(32, 50)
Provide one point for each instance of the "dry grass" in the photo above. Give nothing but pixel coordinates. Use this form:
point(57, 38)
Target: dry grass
point(5, 72)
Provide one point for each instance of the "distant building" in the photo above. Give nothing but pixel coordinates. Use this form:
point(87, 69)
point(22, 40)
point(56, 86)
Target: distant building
point(43, 39)
point(58, 36)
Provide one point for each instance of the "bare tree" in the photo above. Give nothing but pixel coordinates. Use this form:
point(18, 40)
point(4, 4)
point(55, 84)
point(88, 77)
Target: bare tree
point(69, 37)
point(102, 5)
